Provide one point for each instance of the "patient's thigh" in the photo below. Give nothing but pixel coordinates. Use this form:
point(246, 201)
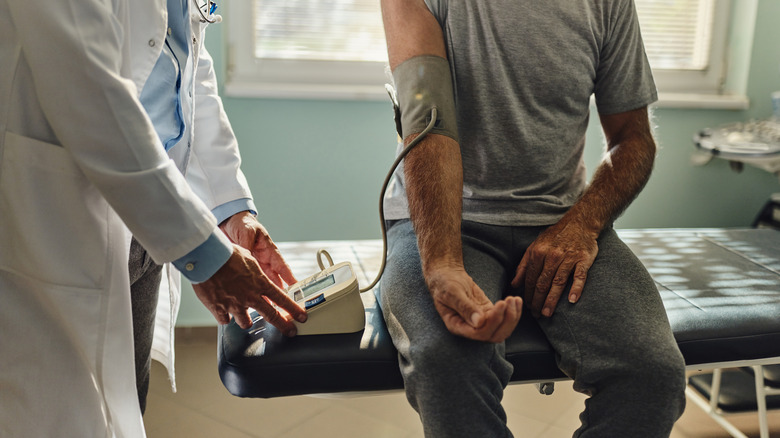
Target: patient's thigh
point(425, 345)
point(620, 315)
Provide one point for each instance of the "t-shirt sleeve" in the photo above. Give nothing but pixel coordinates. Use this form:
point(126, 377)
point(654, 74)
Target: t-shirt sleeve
point(624, 80)
point(438, 9)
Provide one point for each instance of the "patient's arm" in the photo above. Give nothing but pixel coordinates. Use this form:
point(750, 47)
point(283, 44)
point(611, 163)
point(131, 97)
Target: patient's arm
point(434, 184)
point(567, 249)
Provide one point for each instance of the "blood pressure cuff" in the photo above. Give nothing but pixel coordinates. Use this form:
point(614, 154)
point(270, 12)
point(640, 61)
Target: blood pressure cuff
point(422, 83)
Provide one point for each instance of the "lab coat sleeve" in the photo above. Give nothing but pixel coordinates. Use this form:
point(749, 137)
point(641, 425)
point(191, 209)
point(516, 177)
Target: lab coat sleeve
point(214, 170)
point(78, 57)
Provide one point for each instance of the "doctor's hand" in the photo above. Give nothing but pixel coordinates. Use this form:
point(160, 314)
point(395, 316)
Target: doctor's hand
point(240, 284)
point(563, 251)
point(244, 230)
point(467, 311)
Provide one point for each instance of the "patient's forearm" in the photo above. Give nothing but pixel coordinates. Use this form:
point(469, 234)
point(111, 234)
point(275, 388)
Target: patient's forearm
point(434, 186)
point(616, 182)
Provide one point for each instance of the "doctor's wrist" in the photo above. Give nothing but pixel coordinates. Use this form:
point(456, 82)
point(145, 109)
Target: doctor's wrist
point(203, 262)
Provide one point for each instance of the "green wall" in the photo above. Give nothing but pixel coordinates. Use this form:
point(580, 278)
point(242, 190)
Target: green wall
point(316, 167)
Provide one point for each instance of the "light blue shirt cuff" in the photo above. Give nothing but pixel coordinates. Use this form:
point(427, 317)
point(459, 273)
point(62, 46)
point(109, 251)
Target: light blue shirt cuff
point(228, 209)
point(205, 260)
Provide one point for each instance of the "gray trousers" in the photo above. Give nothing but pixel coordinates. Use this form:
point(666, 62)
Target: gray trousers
point(615, 343)
point(145, 276)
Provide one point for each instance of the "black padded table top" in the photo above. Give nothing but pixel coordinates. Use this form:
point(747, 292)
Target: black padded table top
point(720, 287)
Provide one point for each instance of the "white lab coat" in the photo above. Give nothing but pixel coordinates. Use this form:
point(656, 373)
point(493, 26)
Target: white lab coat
point(80, 164)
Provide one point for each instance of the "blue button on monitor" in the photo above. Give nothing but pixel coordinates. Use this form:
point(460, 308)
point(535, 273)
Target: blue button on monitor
point(314, 301)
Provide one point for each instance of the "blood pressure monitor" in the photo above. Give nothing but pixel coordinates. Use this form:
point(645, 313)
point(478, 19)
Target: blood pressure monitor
point(332, 301)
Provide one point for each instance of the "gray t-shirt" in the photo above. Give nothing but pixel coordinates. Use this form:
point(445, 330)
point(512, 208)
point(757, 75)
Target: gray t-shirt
point(524, 72)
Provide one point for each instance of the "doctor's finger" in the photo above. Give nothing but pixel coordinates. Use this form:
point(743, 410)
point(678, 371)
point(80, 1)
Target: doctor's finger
point(280, 298)
point(285, 272)
point(221, 316)
point(276, 268)
point(273, 276)
point(207, 294)
point(242, 318)
point(275, 318)
point(263, 287)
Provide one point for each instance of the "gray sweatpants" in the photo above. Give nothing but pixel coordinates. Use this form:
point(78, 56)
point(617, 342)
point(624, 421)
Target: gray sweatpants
point(615, 342)
point(145, 276)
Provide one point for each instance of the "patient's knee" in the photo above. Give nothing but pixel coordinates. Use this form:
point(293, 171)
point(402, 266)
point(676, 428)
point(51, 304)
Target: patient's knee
point(452, 357)
point(659, 378)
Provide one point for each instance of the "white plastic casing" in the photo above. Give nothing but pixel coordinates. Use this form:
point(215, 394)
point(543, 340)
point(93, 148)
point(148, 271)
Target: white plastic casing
point(332, 301)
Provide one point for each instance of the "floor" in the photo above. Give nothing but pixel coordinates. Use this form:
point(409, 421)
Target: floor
point(202, 408)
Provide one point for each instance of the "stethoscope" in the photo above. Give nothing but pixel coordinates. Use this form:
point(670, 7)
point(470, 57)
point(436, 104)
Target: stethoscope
point(206, 11)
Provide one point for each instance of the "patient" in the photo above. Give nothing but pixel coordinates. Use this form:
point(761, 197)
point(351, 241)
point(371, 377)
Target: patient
point(493, 205)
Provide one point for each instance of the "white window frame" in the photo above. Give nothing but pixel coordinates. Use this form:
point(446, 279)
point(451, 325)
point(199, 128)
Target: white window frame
point(294, 79)
point(350, 80)
point(708, 88)
point(710, 80)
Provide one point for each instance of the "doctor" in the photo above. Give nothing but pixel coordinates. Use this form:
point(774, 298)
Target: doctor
point(81, 167)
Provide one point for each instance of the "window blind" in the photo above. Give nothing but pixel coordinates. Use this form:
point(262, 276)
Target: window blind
point(326, 30)
point(676, 33)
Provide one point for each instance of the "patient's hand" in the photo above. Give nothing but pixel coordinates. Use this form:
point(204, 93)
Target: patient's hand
point(465, 309)
point(562, 252)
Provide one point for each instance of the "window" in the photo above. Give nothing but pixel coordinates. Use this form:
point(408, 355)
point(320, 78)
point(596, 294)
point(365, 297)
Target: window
point(335, 48)
point(284, 29)
point(307, 48)
point(685, 41)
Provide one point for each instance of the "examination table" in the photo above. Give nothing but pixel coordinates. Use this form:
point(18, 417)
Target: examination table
point(720, 287)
